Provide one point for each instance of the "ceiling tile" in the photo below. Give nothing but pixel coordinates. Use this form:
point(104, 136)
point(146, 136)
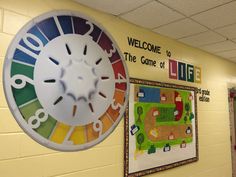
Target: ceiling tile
point(190, 7)
point(218, 17)
point(152, 15)
point(220, 46)
point(227, 54)
point(179, 29)
point(113, 6)
point(232, 59)
point(228, 31)
point(204, 38)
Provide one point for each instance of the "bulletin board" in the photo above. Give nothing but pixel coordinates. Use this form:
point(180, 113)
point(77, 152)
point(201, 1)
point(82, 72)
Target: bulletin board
point(160, 127)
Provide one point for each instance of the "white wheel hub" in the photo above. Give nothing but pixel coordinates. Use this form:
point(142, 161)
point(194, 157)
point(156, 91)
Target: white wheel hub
point(79, 91)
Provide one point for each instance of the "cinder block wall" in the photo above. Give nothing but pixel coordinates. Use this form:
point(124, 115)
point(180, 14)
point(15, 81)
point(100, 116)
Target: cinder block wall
point(20, 156)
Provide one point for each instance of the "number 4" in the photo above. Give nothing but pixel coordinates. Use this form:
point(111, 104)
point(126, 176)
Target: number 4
point(121, 79)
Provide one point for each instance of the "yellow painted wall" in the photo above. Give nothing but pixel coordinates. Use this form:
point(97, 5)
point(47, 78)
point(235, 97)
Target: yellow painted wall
point(20, 156)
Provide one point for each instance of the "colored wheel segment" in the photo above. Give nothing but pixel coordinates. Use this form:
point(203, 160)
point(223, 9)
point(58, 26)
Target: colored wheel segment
point(65, 81)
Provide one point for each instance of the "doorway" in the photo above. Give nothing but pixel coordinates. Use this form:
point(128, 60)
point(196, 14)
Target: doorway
point(232, 113)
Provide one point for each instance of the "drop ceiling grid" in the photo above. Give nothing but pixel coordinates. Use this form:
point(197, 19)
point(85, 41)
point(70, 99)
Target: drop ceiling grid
point(191, 17)
point(180, 29)
point(219, 46)
point(205, 38)
point(151, 15)
point(232, 59)
point(228, 31)
point(193, 7)
point(217, 17)
point(113, 6)
point(227, 54)
point(207, 24)
point(199, 39)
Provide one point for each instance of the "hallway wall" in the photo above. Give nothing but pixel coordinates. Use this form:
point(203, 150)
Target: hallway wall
point(20, 156)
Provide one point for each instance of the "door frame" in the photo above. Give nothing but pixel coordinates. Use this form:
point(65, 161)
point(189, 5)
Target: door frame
point(232, 117)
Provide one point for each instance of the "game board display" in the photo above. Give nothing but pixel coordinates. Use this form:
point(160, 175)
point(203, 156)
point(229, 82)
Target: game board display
point(65, 81)
point(160, 127)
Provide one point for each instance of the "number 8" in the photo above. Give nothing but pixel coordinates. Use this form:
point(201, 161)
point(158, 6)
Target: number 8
point(36, 120)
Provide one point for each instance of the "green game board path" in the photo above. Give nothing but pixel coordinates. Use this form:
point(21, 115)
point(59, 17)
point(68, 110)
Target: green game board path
point(27, 93)
point(46, 127)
